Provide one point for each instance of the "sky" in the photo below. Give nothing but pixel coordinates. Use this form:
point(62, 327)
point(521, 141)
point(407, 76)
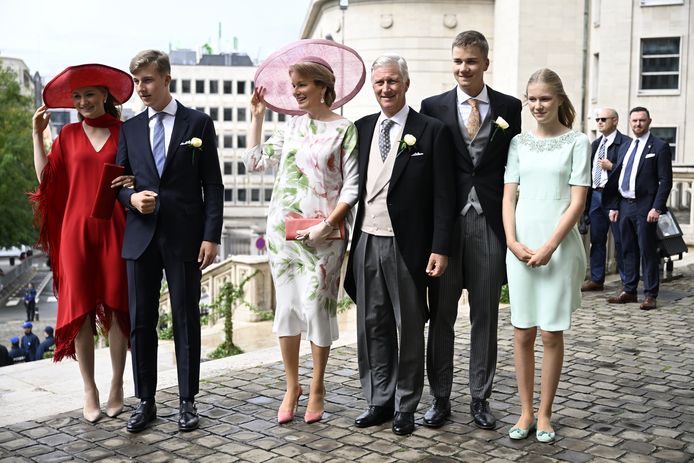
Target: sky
point(50, 35)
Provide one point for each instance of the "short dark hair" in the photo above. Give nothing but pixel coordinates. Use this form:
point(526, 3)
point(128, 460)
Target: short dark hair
point(472, 39)
point(640, 109)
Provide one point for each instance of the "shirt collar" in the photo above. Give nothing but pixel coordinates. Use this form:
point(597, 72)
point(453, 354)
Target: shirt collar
point(399, 118)
point(610, 138)
point(169, 109)
point(482, 97)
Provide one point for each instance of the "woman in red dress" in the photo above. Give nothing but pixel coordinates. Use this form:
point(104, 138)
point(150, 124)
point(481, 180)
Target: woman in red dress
point(89, 275)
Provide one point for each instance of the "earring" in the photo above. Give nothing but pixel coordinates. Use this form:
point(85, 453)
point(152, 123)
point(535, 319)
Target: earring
point(322, 100)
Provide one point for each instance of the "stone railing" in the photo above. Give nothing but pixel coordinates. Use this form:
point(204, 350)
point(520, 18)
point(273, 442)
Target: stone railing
point(680, 200)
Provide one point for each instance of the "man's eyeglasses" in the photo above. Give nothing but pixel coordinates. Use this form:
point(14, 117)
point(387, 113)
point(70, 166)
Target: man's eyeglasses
point(602, 119)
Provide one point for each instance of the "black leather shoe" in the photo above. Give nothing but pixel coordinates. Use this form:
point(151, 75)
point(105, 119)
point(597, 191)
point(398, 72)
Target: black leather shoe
point(436, 416)
point(374, 416)
point(482, 415)
point(403, 423)
point(188, 418)
point(144, 414)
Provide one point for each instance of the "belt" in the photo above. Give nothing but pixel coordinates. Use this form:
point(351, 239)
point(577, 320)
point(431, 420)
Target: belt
point(599, 190)
point(629, 200)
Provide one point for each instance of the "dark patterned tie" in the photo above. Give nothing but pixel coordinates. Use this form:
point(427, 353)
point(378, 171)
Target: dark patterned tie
point(597, 170)
point(384, 138)
point(474, 119)
point(158, 144)
point(629, 167)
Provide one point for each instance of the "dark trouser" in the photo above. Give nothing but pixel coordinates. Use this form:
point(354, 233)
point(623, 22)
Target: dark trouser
point(31, 310)
point(600, 225)
point(144, 284)
point(477, 263)
point(639, 243)
point(391, 313)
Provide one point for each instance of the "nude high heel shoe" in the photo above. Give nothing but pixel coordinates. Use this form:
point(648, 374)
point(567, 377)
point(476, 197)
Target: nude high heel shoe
point(92, 415)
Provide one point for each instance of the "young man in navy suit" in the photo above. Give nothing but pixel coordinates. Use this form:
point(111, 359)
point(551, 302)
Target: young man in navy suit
point(483, 122)
point(605, 150)
point(174, 223)
point(637, 192)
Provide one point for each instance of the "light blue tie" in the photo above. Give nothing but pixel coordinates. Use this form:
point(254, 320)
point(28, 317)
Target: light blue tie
point(158, 143)
point(629, 167)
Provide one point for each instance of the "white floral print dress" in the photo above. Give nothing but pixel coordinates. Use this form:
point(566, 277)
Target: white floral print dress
point(317, 168)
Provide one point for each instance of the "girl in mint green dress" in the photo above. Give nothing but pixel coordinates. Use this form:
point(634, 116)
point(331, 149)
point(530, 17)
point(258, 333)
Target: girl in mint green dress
point(547, 175)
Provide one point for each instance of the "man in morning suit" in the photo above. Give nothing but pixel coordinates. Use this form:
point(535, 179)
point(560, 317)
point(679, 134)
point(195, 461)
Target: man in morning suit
point(604, 152)
point(636, 193)
point(174, 223)
point(401, 238)
point(482, 121)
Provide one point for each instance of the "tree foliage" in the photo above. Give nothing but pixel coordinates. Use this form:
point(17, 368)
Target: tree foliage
point(17, 176)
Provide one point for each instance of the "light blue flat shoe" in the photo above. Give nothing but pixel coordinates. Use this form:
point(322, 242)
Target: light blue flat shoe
point(545, 436)
point(520, 433)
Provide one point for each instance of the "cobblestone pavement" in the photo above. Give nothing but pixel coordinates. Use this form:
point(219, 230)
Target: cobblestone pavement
point(625, 395)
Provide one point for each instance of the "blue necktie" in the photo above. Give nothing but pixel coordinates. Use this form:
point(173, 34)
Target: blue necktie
point(158, 143)
point(630, 166)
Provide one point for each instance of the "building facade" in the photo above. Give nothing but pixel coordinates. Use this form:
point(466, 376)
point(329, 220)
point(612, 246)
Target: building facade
point(22, 73)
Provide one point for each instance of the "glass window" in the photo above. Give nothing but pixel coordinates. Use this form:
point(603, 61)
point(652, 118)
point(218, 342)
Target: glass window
point(199, 86)
point(669, 136)
point(241, 141)
point(281, 117)
point(228, 195)
point(241, 195)
point(240, 168)
point(227, 87)
point(227, 114)
point(172, 85)
point(268, 194)
point(214, 114)
point(228, 141)
point(200, 108)
point(241, 114)
point(660, 63)
point(255, 195)
point(185, 86)
point(214, 86)
point(268, 115)
point(228, 168)
point(240, 87)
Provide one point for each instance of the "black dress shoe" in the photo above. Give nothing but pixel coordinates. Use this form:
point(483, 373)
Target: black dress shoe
point(145, 413)
point(436, 416)
point(374, 416)
point(482, 415)
point(403, 423)
point(188, 418)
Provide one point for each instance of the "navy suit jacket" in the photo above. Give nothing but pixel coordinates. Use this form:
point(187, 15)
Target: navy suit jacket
point(488, 175)
point(612, 155)
point(420, 198)
point(190, 191)
point(653, 177)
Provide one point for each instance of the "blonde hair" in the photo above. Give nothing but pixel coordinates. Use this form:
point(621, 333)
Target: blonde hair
point(567, 113)
point(321, 75)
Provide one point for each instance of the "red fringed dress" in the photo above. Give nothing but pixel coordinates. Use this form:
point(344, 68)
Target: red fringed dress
point(89, 276)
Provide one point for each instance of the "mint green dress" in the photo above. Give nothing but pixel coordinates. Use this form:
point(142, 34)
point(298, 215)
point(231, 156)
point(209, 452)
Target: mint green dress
point(545, 169)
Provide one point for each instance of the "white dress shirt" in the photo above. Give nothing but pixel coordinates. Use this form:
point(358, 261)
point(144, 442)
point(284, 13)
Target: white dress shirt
point(464, 108)
point(631, 192)
point(168, 121)
point(609, 139)
point(396, 130)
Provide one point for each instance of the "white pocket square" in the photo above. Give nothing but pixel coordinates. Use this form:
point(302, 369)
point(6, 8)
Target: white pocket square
point(417, 154)
point(650, 155)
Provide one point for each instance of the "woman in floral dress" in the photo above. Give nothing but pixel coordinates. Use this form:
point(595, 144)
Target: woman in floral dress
point(316, 158)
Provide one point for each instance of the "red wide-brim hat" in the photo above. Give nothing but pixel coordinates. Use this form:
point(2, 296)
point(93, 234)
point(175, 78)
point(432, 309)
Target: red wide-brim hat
point(273, 74)
point(58, 92)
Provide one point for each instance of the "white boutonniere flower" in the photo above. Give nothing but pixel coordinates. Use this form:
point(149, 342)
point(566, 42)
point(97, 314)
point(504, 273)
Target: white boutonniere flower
point(407, 142)
point(499, 123)
point(194, 142)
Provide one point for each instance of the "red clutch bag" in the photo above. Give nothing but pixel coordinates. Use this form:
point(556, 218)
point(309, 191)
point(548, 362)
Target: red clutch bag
point(106, 196)
point(292, 225)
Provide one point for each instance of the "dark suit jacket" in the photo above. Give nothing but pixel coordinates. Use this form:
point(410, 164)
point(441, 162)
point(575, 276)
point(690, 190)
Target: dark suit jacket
point(612, 155)
point(653, 177)
point(420, 195)
point(488, 175)
point(190, 202)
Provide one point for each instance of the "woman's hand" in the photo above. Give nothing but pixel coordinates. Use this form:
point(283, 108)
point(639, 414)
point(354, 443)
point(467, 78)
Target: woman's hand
point(521, 251)
point(40, 119)
point(126, 181)
point(258, 102)
point(317, 234)
point(541, 256)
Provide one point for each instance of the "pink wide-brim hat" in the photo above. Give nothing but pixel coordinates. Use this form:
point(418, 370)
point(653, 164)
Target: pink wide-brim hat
point(58, 92)
point(273, 74)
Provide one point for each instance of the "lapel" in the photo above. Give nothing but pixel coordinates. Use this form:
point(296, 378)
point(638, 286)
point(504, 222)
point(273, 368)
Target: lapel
point(365, 137)
point(180, 128)
point(142, 133)
point(646, 150)
point(414, 126)
point(496, 107)
point(451, 117)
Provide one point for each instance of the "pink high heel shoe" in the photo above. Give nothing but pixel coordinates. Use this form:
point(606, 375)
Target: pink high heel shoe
point(287, 416)
point(312, 417)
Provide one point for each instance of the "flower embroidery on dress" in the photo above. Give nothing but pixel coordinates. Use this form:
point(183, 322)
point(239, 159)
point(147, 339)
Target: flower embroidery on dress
point(547, 144)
